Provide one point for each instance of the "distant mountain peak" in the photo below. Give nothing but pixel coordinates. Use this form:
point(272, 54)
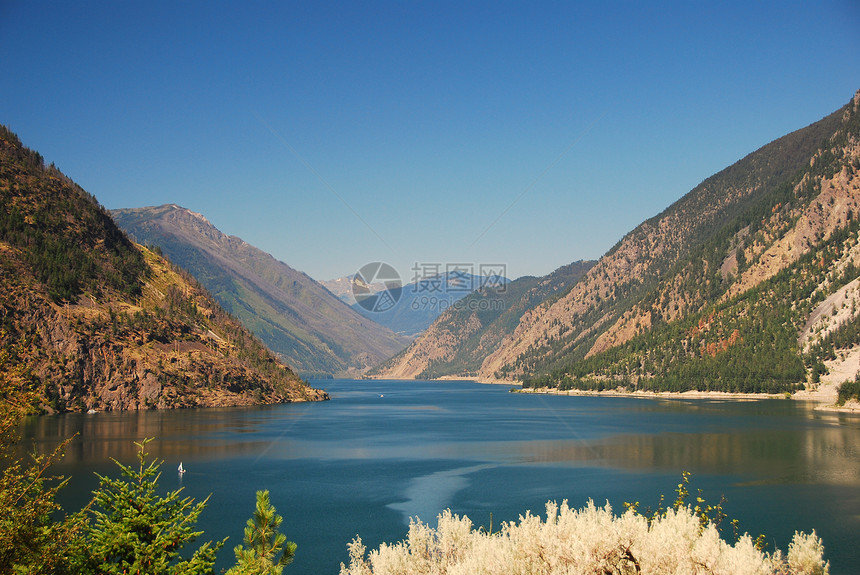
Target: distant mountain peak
point(295, 316)
point(193, 214)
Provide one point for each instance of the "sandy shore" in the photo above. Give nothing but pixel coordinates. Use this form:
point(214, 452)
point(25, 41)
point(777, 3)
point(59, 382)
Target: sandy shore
point(826, 403)
point(850, 408)
point(660, 394)
point(845, 367)
point(489, 381)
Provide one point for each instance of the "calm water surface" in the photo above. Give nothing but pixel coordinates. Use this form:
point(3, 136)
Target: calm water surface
point(383, 451)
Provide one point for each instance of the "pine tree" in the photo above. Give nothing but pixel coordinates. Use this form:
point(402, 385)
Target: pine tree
point(33, 539)
point(263, 543)
point(135, 530)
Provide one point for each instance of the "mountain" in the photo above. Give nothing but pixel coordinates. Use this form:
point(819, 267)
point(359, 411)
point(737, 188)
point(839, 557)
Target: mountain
point(309, 328)
point(414, 306)
point(461, 338)
point(719, 290)
point(92, 321)
point(341, 288)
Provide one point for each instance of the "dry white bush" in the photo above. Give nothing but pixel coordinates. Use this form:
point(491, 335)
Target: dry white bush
point(591, 540)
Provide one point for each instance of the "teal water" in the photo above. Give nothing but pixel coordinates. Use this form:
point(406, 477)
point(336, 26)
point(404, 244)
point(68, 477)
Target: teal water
point(382, 451)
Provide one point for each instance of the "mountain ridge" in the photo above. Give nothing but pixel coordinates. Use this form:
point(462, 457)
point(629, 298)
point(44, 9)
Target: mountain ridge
point(292, 313)
point(777, 184)
point(734, 232)
point(418, 303)
point(453, 346)
point(92, 321)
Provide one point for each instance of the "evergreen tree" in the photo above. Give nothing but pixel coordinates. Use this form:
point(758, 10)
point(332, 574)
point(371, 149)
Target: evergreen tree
point(263, 543)
point(32, 539)
point(135, 530)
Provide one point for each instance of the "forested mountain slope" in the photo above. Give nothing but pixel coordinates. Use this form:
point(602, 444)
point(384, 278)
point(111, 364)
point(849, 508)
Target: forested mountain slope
point(715, 292)
point(722, 290)
point(92, 321)
point(308, 327)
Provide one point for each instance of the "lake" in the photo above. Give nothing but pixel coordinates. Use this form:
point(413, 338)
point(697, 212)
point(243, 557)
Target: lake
point(382, 451)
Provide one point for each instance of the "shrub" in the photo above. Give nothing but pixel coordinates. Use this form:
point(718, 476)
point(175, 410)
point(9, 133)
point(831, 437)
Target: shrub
point(848, 390)
point(589, 540)
point(135, 530)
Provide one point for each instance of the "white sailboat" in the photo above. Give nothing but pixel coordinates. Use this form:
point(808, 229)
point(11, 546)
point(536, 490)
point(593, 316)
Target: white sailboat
point(181, 469)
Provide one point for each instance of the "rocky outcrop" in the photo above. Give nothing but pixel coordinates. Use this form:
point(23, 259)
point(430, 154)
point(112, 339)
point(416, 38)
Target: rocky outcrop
point(761, 218)
point(93, 322)
point(807, 188)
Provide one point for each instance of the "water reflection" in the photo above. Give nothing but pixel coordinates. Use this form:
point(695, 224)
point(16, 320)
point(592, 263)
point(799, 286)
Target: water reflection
point(818, 455)
point(210, 433)
point(761, 438)
point(361, 463)
point(425, 496)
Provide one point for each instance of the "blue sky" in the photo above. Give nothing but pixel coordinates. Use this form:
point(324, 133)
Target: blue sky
point(530, 134)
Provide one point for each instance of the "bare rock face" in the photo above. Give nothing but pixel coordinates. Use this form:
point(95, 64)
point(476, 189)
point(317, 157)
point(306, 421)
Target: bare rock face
point(150, 389)
point(95, 322)
point(794, 201)
point(653, 274)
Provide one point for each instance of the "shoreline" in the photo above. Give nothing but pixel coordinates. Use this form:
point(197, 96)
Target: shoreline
point(693, 394)
point(641, 394)
point(850, 408)
point(824, 394)
point(824, 400)
point(482, 380)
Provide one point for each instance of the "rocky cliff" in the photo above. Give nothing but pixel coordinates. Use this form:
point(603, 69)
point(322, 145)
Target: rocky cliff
point(685, 283)
point(717, 291)
point(93, 321)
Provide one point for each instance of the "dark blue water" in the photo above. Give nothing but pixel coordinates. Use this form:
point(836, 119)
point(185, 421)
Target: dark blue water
point(382, 451)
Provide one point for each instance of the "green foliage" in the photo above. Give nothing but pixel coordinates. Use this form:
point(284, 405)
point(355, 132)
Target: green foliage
point(33, 539)
point(266, 550)
point(135, 530)
point(126, 528)
point(707, 513)
point(66, 237)
point(849, 390)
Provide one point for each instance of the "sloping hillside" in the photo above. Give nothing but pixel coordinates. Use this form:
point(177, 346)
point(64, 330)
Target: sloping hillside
point(419, 302)
point(458, 341)
point(93, 321)
point(720, 291)
point(715, 291)
point(310, 329)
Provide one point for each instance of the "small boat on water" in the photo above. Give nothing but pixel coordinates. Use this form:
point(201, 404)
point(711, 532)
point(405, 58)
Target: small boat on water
point(181, 469)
